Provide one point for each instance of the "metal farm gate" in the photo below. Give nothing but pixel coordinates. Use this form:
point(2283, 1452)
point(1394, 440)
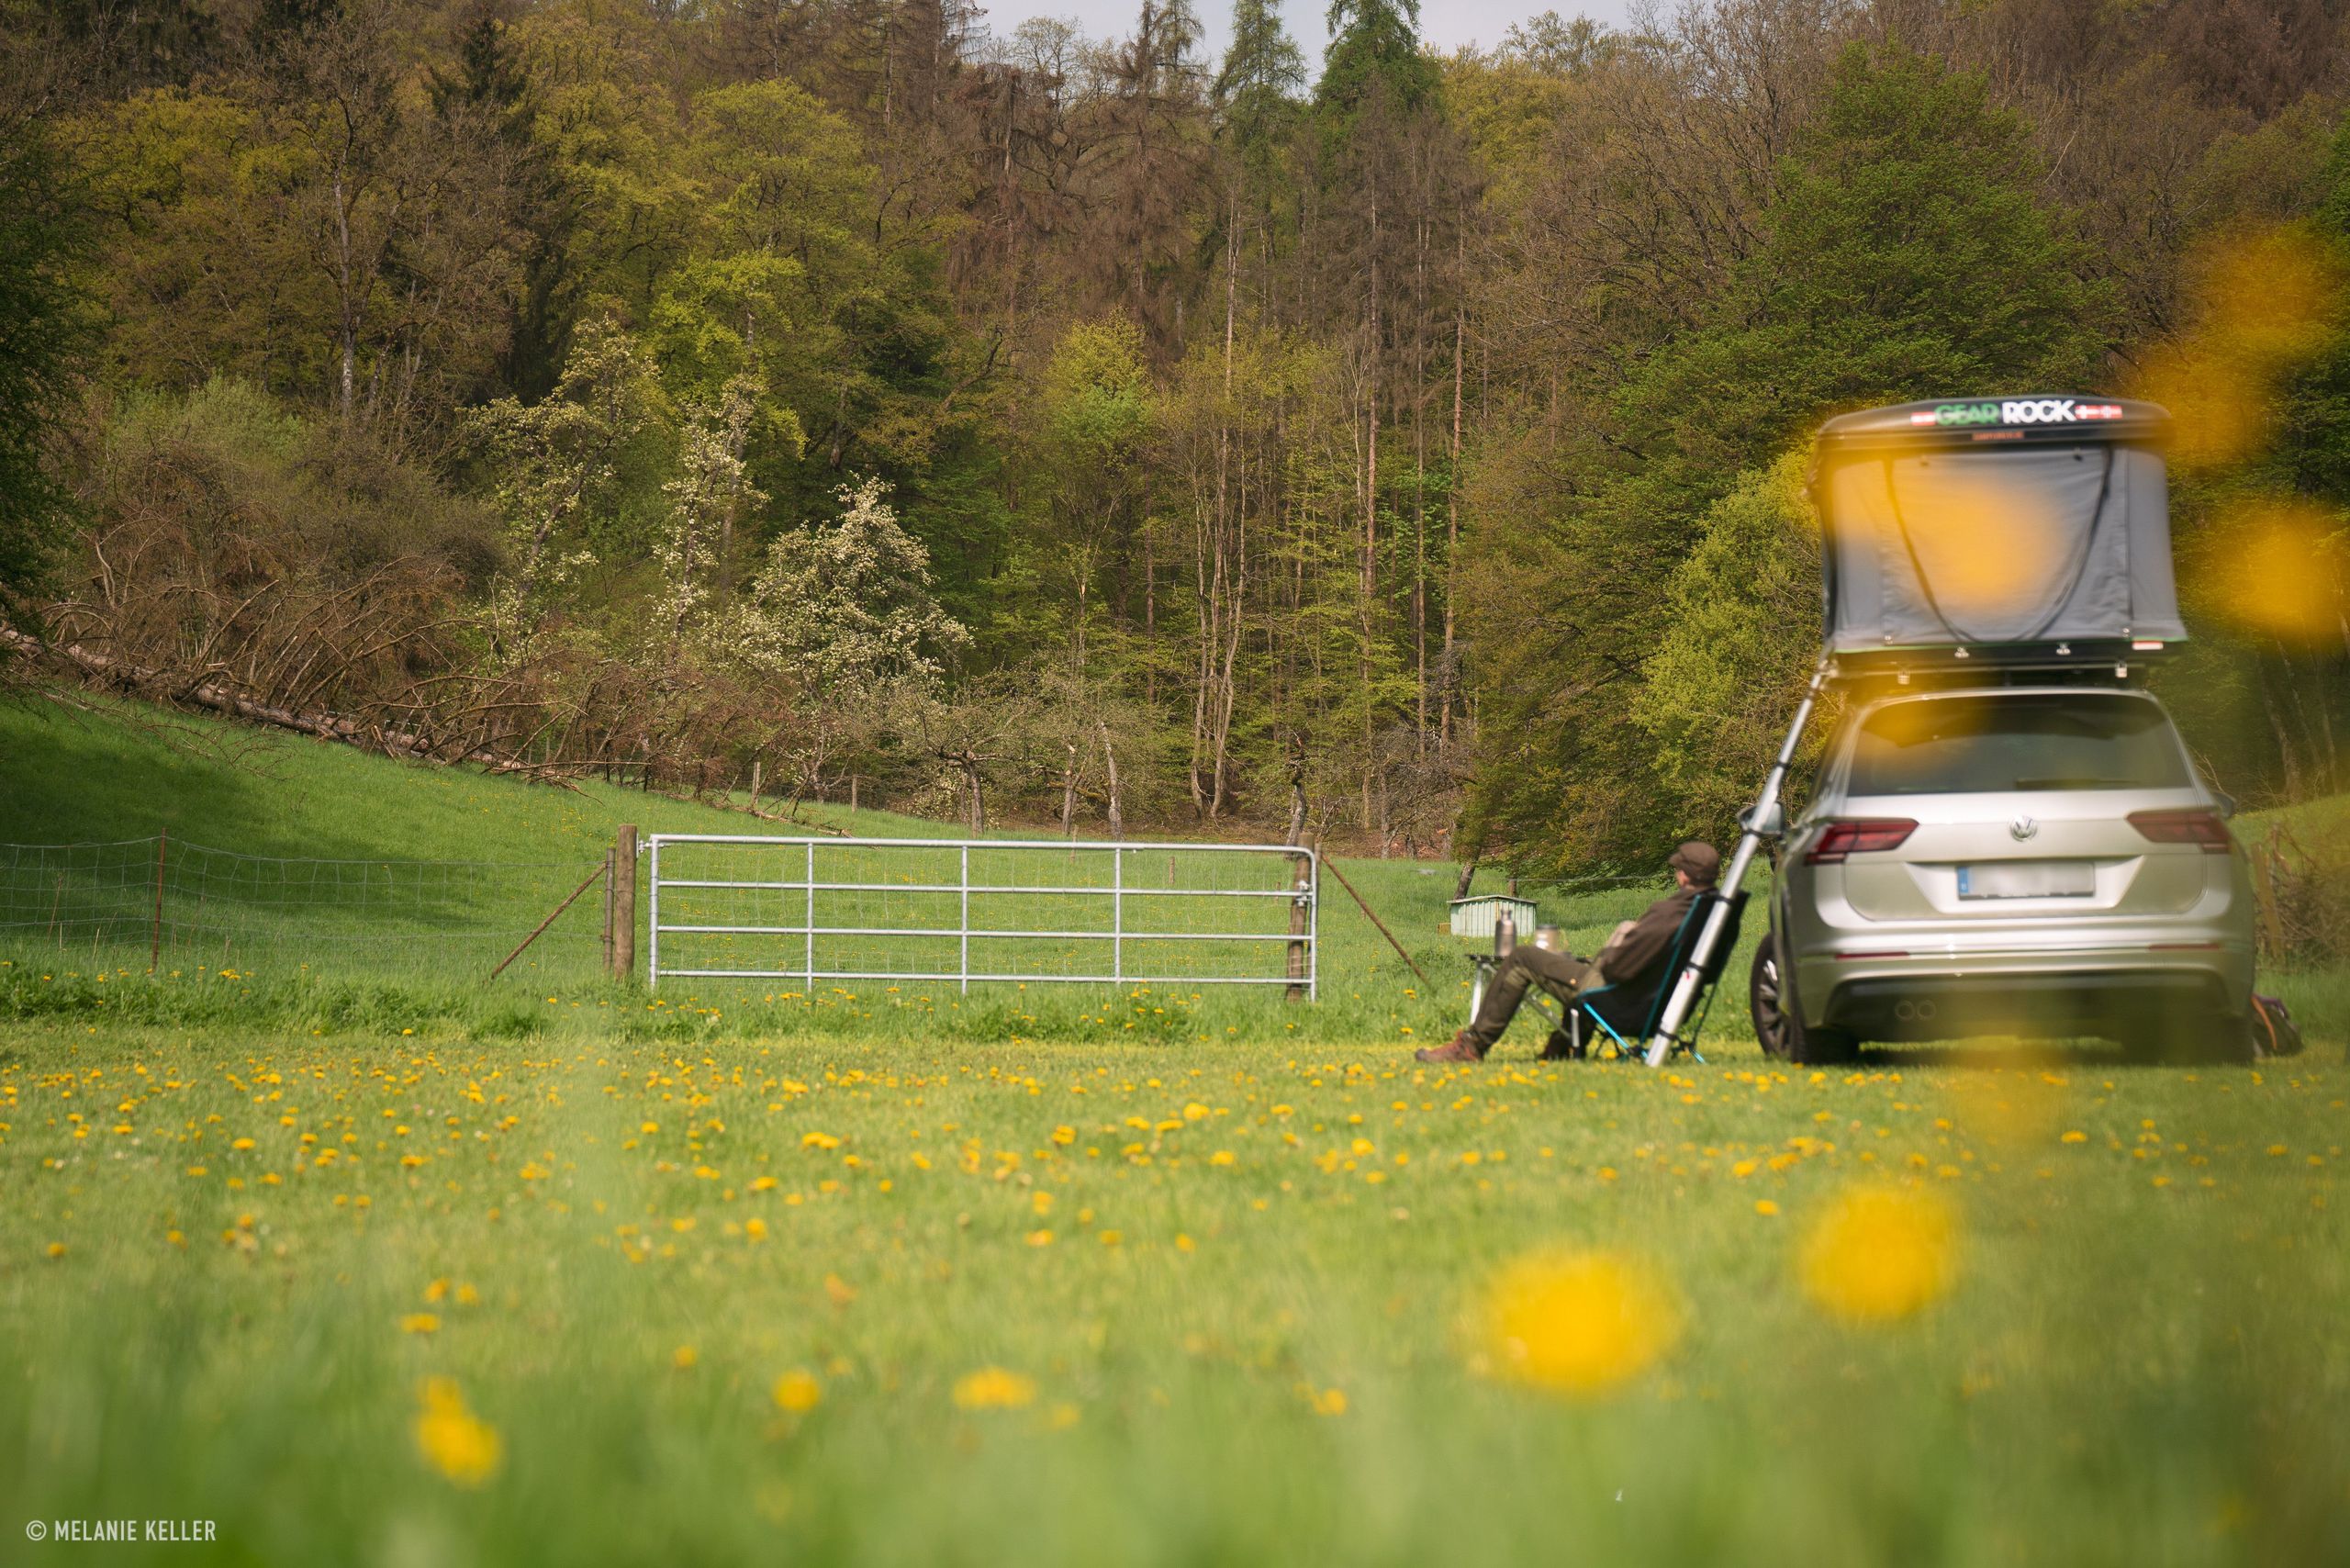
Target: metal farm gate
point(981, 911)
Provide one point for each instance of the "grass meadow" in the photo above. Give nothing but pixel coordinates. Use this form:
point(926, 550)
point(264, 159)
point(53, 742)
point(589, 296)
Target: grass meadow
point(374, 1261)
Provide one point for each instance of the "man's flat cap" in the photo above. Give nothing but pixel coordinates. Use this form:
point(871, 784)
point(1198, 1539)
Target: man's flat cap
point(1701, 863)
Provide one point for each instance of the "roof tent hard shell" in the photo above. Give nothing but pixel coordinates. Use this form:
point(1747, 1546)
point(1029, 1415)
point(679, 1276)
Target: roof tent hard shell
point(2031, 532)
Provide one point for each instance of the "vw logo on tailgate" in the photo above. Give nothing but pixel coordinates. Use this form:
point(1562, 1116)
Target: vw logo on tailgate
point(2023, 828)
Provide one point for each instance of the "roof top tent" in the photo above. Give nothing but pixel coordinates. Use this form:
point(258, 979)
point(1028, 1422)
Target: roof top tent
point(1964, 536)
point(1983, 539)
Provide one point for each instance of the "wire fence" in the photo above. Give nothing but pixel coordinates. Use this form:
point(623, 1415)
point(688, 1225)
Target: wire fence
point(165, 900)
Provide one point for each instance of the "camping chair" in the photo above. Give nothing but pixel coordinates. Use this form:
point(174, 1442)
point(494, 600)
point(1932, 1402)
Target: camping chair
point(1624, 1016)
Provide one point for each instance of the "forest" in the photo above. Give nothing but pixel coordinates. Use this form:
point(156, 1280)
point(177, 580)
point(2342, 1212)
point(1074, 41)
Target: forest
point(1335, 437)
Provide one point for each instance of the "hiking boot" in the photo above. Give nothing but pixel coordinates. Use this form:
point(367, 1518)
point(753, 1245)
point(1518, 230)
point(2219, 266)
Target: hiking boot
point(1561, 1047)
point(1460, 1047)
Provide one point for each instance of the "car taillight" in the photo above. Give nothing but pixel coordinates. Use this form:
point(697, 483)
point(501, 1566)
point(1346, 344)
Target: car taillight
point(2198, 826)
point(1858, 836)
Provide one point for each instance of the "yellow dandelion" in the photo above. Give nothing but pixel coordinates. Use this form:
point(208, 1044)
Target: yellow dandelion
point(1040, 1239)
point(684, 1358)
point(1880, 1253)
point(798, 1391)
point(993, 1388)
point(56, 1249)
point(420, 1323)
point(1578, 1322)
point(1765, 1207)
point(454, 1440)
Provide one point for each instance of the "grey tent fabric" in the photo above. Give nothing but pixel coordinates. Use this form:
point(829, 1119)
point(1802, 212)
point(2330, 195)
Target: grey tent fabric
point(1940, 547)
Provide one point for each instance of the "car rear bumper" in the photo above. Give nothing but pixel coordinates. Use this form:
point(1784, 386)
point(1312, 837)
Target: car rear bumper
point(2105, 989)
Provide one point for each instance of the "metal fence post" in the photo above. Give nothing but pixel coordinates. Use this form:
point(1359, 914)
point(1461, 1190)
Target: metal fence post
point(1117, 914)
point(1301, 897)
point(966, 921)
point(812, 923)
point(653, 921)
point(1313, 929)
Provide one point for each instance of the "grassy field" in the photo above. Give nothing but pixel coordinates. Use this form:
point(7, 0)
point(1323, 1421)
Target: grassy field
point(378, 1264)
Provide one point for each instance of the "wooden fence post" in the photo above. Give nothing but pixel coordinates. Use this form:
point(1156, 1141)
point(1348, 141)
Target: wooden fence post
point(624, 902)
point(608, 911)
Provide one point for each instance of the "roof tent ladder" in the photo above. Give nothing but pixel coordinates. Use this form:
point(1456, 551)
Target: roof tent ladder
point(1686, 985)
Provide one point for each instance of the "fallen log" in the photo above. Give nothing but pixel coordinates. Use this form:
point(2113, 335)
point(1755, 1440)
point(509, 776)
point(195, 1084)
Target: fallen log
point(104, 669)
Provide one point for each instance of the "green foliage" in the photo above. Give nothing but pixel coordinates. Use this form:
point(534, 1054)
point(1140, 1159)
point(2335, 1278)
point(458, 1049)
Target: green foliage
point(1741, 628)
point(1375, 51)
point(1907, 255)
point(1257, 91)
point(847, 606)
point(45, 334)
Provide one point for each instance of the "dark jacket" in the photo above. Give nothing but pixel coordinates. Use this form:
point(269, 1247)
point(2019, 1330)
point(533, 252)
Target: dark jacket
point(1633, 958)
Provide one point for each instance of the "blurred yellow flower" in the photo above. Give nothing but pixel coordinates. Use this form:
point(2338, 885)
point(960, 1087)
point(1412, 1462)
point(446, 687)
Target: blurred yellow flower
point(684, 1358)
point(1325, 1401)
point(993, 1388)
point(454, 1440)
point(420, 1323)
point(798, 1391)
point(1577, 1323)
point(1880, 1253)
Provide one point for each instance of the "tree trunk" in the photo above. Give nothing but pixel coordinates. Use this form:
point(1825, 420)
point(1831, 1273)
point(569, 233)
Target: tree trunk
point(1452, 515)
point(1110, 769)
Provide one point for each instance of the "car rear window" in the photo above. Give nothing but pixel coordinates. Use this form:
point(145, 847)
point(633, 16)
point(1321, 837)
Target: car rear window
point(1953, 746)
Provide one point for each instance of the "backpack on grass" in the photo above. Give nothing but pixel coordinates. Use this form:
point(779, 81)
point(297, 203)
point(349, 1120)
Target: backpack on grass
point(2274, 1033)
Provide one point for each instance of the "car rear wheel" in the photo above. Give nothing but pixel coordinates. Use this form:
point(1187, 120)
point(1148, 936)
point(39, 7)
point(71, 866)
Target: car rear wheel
point(1779, 1024)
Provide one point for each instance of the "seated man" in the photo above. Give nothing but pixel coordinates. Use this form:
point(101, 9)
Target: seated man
point(1629, 959)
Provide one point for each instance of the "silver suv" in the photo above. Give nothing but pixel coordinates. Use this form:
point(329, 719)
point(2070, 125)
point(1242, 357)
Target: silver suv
point(2038, 861)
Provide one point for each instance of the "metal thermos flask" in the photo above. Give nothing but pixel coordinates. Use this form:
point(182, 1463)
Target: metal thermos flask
point(1505, 936)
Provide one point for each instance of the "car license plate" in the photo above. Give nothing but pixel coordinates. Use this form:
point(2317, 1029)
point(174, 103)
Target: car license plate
point(2028, 880)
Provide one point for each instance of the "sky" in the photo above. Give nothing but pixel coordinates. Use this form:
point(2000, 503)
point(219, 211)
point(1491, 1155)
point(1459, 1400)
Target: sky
point(1445, 22)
